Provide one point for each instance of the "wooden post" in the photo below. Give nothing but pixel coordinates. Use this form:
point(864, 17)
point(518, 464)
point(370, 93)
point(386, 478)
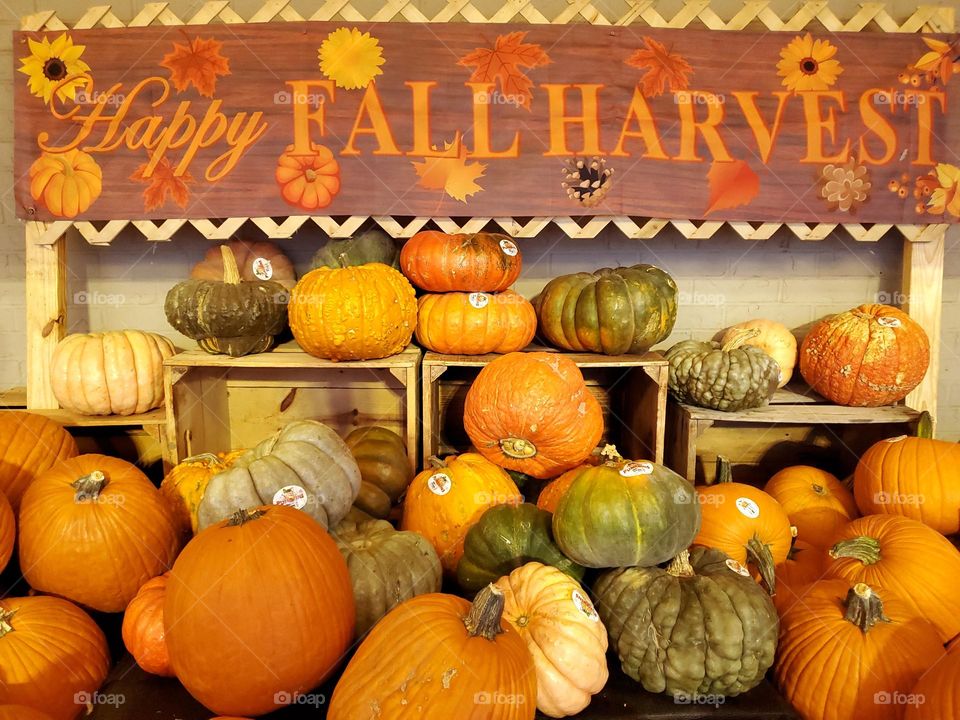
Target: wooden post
point(923, 290)
point(46, 289)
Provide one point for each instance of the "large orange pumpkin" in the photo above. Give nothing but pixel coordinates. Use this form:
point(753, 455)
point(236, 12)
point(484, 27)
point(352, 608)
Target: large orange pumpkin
point(814, 500)
point(93, 529)
point(142, 630)
point(444, 501)
point(900, 556)
point(475, 323)
point(866, 357)
point(8, 531)
point(532, 412)
point(29, 444)
point(847, 652)
point(256, 260)
point(805, 565)
point(51, 652)
point(353, 313)
point(937, 694)
point(309, 182)
point(259, 608)
point(439, 656)
point(916, 477)
point(65, 183)
point(21, 712)
point(481, 262)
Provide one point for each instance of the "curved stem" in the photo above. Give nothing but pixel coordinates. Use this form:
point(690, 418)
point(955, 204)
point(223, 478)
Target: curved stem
point(5, 617)
point(243, 515)
point(758, 554)
point(231, 274)
point(862, 548)
point(205, 458)
point(89, 486)
point(436, 463)
point(864, 607)
point(485, 614)
point(723, 474)
point(819, 489)
point(680, 566)
point(739, 337)
point(518, 448)
point(925, 426)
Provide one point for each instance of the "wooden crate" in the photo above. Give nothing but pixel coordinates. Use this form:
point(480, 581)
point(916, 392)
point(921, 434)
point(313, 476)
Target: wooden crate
point(798, 427)
point(215, 402)
point(632, 389)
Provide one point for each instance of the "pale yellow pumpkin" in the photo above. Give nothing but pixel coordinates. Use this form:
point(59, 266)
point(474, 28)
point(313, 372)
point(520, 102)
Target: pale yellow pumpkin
point(774, 338)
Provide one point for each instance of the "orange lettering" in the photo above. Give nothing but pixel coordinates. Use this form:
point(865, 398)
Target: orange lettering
point(817, 124)
point(690, 127)
point(925, 123)
point(765, 136)
point(639, 111)
point(372, 108)
point(878, 125)
point(590, 119)
point(482, 144)
point(300, 97)
point(421, 115)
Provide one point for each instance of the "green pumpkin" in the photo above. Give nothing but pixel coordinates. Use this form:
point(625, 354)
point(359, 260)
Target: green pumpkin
point(728, 377)
point(624, 513)
point(615, 311)
point(505, 538)
point(370, 246)
point(702, 626)
point(229, 317)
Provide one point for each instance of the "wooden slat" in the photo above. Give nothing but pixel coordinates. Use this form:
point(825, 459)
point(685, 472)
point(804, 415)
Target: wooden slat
point(582, 359)
point(812, 414)
point(923, 288)
point(46, 290)
point(288, 355)
point(68, 418)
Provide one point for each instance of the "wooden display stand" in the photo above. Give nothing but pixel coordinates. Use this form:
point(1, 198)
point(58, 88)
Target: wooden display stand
point(797, 427)
point(216, 402)
point(632, 390)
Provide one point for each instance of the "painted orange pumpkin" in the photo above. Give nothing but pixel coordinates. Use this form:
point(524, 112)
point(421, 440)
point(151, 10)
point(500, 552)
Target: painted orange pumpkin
point(479, 262)
point(65, 183)
point(8, 531)
point(532, 412)
point(870, 356)
point(309, 181)
point(142, 629)
point(475, 323)
point(817, 504)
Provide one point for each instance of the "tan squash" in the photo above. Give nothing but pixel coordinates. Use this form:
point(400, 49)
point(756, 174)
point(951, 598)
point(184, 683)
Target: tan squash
point(774, 338)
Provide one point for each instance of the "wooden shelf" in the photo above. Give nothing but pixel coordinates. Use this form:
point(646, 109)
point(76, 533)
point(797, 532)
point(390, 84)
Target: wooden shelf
point(288, 355)
point(13, 398)
point(68, 418)
point(581, 359)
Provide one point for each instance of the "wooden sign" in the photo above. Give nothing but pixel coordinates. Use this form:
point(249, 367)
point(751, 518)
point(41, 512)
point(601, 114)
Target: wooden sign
point(497, 120)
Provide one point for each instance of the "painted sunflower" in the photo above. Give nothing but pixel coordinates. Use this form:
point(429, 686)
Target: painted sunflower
point(808, 64)
point(49, 64)
point(946, 198)
point(350, 58)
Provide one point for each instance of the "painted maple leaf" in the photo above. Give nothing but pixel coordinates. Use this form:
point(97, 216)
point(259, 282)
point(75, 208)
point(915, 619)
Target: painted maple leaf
point(503, 65)
point(664, 69)
point(197, 63)
point(939, 60)
point(163, 184)
point(451, 172)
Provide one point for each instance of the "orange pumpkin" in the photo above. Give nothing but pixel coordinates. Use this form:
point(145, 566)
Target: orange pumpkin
point(897, 555)
point(479, 262)
point(65, 183)
point(439, 656)
point(774, 338)
point(475, 323)
point(51, 652)
point(937, 694)
point(870, 356)
point(746, 523)
point(184, 486)
point(8, 531)
point(444, 501)
point(21, 712)
point(550, 496)
point(916, 477)
point(142, 629)
point(309, 182)
point(814, 500)
point(353, 313)
point(532, 412)
point(29, 444)
point(805, 565)
point(839, 658)
point(259, 608)
point(94, 529)
point(256, 260)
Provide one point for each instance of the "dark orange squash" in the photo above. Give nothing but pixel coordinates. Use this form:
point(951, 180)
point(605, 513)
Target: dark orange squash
point(481, 262)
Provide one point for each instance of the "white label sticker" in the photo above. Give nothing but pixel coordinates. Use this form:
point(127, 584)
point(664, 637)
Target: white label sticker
point(439, 483)
point(262, 269)
point(509, 247)
point(479, 300)
point(636, 468)
point(748, 507)
point(898, 438)
point(584, 605)
point(889, 322)
point(291, 496)
point(737, 567)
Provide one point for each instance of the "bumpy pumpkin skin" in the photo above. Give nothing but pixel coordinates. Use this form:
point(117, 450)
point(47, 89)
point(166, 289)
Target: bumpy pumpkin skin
point(815, 501)
point(625, 513)
point(481, 262)
point(550, 495)
point(386, 567)
point(384, 466)
point(475, 323)
point(29, 444)
point(247, 253)
point(615, 311)
point(870, 356)
point(370, 246)
point(774, 338)
point(532, 412)
point(305, 456)
point(8, 531)
point(940, 689)
point(505, 538)
point(354, 313)
point(722, 377)
point(142, 630)
point(184, 486)
point(656, 621)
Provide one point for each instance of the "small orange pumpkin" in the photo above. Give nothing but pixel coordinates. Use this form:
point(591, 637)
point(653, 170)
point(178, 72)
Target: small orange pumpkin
point(309, 181)
point(184, 486)
point(550, 496)
point(250, 256)
point(805, 565)
point(8, 531)
point(479, 262)
point(475, 323)
point(814, 500)
point(65, 183)
point(142, 629)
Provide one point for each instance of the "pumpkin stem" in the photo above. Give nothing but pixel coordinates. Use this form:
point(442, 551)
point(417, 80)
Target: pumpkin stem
point(89, 486)
point(231, 273)
point(518, 448)
point(243, 515)
point(5, 617)
point(342, 259)
point(864, 607)
point(739, 337)
point(759, 555)
point(680, 566)
point(925, 426)
point(724, 474)
point(436, 463)
point(610, 454)
point(205, 458)
point(862, 548)
point(485, 614)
